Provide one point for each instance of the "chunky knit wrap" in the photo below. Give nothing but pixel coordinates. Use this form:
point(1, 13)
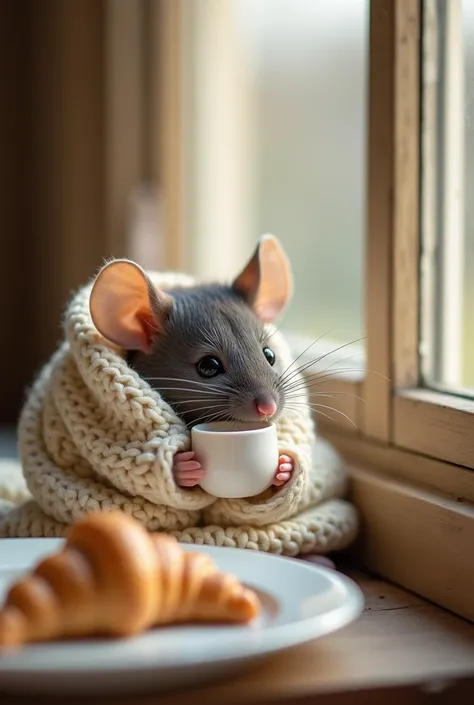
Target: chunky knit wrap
point(94, 435)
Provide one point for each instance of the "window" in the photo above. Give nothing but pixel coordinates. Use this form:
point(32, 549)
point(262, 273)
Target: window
point(369, 207)
point(447, 342)
point(273, 149)
point(433, 416)
point(268, 147)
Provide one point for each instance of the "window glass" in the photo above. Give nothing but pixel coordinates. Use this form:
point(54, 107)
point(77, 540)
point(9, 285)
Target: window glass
point(447, 218)
point(277, 94)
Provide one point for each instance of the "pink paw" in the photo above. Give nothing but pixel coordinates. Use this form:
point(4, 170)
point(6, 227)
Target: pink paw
point(284, 470)
point(187, 470)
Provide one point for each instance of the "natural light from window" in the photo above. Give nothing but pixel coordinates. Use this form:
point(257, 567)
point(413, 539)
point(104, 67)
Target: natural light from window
point(277, 94)
point(447, 219)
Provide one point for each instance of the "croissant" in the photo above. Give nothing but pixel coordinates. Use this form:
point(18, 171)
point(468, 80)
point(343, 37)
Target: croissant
point(114, 578)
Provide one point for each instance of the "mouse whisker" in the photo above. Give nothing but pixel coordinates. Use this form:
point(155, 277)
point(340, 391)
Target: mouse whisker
point(304, 375)
point(308, 364)
point(282, 321)
point(204, 408)
point(303, 396)
point(323, 374)
point(312, 381)
point(207, 385)
point(316, 407)
point(265, 337)
point(207, 418)
point(332, 395)
point(296, 412)
point(196, 400)
point(286, 376)
point(317, 378)
point(309, 380)
point(331, 366)
point(207, 406)
point(282, 376)
point(306, 381)
point(331, 352)
point(210, 392)
point(301, 373)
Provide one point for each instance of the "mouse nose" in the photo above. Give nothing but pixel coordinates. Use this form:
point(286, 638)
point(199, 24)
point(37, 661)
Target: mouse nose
point(265, 407)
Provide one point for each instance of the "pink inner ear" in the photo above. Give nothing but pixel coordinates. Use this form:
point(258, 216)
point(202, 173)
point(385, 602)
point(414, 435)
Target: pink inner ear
point(120, 306)
point(149, 328)
point(266, 281)
point(267, 311)
point(275, 284)
point(134, 332)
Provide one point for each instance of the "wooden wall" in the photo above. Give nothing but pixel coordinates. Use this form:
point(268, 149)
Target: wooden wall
point(72, 145)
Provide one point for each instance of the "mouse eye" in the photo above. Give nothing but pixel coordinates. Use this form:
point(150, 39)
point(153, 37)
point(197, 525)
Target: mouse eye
point(209, 366)
point(270, 355)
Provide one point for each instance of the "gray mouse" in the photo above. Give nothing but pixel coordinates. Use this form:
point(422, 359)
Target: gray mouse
point(204, 348)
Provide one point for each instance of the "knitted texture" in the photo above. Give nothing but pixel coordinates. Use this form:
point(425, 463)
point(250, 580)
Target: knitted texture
point(94, 435)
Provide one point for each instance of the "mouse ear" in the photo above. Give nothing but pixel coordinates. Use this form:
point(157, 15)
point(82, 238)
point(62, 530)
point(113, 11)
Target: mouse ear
point(125, 306)
point(266, 281)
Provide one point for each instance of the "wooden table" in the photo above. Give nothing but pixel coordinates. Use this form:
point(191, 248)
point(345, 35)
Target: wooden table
point(402, 650)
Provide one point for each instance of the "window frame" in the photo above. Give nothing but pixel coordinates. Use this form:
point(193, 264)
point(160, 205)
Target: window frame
point(406, 478)
point(417, 490)
point(392, 245)
point(174, 164)
point(424, 420)
point(398, 410)
point(391, 388)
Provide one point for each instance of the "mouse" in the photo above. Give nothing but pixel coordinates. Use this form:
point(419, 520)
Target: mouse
point(206, 348)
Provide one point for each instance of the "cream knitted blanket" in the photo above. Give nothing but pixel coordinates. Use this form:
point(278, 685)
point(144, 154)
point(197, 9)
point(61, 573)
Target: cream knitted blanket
point(94, 435)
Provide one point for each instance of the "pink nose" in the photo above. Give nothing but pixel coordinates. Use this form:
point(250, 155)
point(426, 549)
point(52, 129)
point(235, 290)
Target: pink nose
point(265, 408)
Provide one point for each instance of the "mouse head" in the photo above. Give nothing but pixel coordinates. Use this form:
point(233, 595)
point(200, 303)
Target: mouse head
point(203, 348)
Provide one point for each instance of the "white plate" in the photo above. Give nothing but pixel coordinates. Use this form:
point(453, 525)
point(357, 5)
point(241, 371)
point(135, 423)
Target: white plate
point(300, 602)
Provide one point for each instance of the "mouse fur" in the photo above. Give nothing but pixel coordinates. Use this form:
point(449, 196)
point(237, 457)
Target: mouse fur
point(175, 339)
point(211, 320)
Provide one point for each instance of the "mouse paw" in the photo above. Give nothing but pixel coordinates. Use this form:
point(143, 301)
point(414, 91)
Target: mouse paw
point(284, 470)
point(187, 470)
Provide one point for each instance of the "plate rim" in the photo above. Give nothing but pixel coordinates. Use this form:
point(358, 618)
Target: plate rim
point(270, 641)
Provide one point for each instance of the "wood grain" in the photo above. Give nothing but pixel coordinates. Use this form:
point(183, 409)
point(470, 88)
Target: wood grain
point(125, 134)
point(53, 178)
point(435, 424)
point(66, 165)
point(14, 186)
point(443, 478)
point(417, 538)
point(389, 651)
point(167, 29)
point(380, 190)
point(344, 402)
point(406, 231)
point(393, 209)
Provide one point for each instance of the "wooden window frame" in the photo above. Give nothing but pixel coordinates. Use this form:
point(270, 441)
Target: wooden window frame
point(415, 500)
point(410, 453)
point(427, 421)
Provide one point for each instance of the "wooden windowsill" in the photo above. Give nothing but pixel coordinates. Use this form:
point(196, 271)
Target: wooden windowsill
point(436, 424)
point(401, 644)
point(417, 519)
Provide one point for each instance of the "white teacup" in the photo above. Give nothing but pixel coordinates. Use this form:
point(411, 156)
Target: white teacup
point(239, 459)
